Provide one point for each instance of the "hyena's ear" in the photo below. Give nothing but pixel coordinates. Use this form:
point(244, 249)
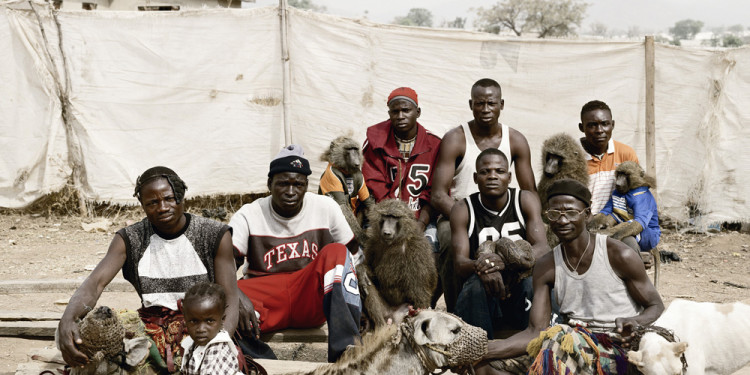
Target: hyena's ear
point(679, 347)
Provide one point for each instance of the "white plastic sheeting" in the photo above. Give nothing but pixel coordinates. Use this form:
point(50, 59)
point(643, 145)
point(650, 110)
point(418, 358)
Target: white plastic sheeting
point(32, 136)
point(201, 91)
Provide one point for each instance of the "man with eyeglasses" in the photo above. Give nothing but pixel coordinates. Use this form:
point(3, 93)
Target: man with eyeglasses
point(603, 153)
point(495, 211)
point(600, 285)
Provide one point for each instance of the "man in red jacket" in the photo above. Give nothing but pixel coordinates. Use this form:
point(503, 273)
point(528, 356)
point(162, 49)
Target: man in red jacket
point(399, 156)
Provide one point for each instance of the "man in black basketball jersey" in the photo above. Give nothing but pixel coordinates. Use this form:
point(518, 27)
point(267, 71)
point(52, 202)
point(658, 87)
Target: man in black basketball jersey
point(495, 211)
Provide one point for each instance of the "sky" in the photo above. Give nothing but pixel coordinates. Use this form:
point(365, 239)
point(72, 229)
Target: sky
point(648, 15)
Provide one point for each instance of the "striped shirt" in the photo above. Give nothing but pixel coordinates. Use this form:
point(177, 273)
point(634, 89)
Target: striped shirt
point(602, 172)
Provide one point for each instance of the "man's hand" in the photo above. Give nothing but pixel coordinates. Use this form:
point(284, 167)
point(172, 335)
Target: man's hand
point(488, 267)
point(487, 263)
point(248, 322)
point(69, 339)
point(626, 327)
point(494, 285)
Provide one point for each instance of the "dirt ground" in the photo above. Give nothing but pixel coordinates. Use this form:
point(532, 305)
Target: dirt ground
point(715, 267)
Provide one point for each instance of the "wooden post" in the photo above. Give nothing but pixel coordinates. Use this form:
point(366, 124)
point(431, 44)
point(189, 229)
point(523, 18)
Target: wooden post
point(650, 109)
point(287, 86)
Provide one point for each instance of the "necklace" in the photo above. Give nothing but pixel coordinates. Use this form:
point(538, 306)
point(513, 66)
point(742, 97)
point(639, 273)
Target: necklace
point(575, 270)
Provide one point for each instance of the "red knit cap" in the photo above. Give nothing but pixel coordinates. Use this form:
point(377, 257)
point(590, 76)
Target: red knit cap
point(404, 93)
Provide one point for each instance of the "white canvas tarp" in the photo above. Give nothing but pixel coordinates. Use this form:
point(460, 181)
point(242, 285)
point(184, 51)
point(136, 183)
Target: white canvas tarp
point(201, 92)
point(32, 136)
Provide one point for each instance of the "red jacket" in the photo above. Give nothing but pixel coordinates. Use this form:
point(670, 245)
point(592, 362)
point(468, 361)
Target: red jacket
point(387, 174)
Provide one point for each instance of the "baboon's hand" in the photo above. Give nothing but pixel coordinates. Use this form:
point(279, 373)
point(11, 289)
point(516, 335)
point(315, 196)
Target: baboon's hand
point(600, 221)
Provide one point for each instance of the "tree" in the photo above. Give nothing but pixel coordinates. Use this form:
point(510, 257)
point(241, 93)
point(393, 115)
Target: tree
point(306, 4)
point(731, 41)
point(415, 17)
point(685, 29)
point(545, 17)
point(458, 23)
point(736, 29)
point(661, 39)
point(598, 29)
point(634, 32)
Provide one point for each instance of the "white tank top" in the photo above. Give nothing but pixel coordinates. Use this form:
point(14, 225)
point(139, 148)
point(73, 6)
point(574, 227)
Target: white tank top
point(463, 181)
point(598, 296)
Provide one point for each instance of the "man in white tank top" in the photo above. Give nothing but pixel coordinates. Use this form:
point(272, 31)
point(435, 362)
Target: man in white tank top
point(453, 178)
point(599, 282)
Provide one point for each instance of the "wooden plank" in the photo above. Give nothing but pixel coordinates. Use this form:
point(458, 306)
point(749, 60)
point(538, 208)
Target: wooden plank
point(297, 335)
point(275, 367)
point(287, 367)
point(44, 329)
point(57, 285)
point(651, 110)
point(29, 315)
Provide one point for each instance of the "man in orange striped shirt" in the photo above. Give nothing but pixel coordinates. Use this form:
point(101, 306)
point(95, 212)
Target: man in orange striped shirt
point(604, 153)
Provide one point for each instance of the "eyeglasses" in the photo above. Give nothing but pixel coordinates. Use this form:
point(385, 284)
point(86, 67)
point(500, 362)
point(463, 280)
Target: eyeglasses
point(555, 215)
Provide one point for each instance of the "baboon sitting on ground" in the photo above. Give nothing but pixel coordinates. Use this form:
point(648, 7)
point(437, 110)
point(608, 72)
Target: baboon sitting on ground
point(562, 157)
point(630, 215)
point(342, 180)
point(399, 267)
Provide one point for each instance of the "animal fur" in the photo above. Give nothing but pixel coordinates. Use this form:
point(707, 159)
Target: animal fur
point(345, 156)
point(336, 155)
point(518, 258)
point(714, 337)
point(387, 352)
point(104, 343)
point(562, 157)
point(628, 176)
point(399, 261)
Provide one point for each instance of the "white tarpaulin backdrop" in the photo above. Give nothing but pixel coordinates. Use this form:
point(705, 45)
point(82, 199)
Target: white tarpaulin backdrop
point(201, 92)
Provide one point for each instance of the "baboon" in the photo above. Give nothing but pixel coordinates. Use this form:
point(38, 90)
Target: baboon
point(631, 206)
point(342, 180)
point(562, 157)
point(399, 267)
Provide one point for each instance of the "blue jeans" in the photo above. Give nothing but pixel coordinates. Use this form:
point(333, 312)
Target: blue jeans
point(479, 309)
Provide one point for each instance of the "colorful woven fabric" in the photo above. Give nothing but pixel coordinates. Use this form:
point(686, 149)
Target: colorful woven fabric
point(562, 349)
point(166, 328)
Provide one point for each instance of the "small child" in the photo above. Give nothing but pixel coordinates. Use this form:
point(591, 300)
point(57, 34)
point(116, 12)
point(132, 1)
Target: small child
point(209, 349)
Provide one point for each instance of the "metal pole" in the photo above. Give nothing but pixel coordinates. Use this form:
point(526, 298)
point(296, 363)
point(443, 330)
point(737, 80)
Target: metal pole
point(287, 87)
point(650, 109)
